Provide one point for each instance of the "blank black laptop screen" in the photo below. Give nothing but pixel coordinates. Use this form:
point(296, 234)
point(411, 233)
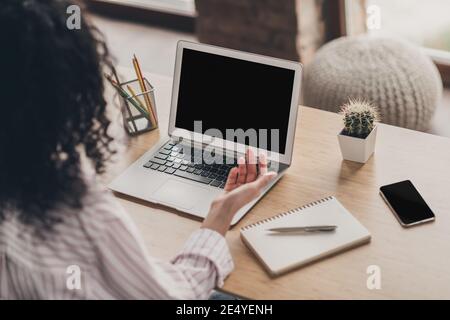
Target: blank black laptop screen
point(228, 93)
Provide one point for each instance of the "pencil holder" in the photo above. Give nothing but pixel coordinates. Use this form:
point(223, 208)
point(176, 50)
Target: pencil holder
point(138, 107)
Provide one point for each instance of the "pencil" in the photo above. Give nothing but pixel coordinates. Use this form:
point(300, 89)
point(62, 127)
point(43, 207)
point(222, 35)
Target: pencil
point(130, 89)
point(147, 100)
point(114, 72)
point(143, 86)
point(124, 94)
point(130, 114)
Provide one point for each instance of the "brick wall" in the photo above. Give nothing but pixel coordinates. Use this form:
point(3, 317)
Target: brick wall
point(266, 27)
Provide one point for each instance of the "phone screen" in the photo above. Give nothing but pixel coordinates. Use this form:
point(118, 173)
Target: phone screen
point(407, 203)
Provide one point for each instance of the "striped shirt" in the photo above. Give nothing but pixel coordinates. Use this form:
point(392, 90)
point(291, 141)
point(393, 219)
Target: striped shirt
point(97, 253)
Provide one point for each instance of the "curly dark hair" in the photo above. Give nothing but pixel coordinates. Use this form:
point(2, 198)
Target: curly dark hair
point(52, 106)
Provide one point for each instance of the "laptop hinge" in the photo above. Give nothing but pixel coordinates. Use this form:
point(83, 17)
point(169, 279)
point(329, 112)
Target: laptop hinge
point(202, 145)
point(222, 151)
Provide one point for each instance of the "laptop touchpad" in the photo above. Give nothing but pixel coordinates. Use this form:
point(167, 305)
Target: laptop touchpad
point(180, 194)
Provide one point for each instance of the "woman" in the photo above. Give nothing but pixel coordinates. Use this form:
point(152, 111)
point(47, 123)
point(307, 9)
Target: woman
point(62, 235)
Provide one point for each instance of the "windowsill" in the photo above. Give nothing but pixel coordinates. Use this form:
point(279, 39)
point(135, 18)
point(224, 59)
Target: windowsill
point(161, 13)
point(438, 56)
point(442, 61)
point(176, 7)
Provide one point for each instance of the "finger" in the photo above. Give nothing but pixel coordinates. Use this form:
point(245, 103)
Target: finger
point(262, 164)
point(232, 179)
point(242, 171)
point(251, 166)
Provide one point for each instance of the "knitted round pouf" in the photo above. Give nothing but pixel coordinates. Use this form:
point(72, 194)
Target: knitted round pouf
point(392, 74)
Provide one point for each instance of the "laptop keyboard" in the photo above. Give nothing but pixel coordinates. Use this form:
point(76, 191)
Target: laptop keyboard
point(172, 159)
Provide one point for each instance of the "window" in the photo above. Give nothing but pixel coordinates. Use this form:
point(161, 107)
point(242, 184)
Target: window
point(425, 23)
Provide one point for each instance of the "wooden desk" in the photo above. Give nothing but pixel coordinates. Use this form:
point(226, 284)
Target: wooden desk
point(415, 263)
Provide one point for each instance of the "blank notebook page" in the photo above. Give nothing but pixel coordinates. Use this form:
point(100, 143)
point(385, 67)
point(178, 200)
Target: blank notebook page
point(282, 252)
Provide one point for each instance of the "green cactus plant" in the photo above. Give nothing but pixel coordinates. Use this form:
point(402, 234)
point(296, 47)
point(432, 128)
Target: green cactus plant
point(359, 118)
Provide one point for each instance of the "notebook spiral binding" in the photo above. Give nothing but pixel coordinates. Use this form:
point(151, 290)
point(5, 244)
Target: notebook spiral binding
point(296, 210)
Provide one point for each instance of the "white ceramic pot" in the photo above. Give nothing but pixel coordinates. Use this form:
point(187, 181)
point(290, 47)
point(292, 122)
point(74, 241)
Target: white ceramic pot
point(357, 149)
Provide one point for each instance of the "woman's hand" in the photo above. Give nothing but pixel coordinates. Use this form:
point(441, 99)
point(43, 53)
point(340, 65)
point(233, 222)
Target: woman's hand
point(243, 185)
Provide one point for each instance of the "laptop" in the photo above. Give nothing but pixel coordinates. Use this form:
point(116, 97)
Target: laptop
point(223, 102)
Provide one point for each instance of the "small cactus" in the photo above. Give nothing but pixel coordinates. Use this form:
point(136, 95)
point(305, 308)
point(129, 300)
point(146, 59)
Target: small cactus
point(359, 118)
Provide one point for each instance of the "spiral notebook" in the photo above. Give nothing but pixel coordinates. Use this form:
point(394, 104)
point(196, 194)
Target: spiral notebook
point(280, 253)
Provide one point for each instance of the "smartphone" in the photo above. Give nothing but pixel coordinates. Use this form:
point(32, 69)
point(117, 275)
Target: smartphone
point(406, 203)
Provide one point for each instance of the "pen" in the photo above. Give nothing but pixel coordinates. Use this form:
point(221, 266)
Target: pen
point(324, 228)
